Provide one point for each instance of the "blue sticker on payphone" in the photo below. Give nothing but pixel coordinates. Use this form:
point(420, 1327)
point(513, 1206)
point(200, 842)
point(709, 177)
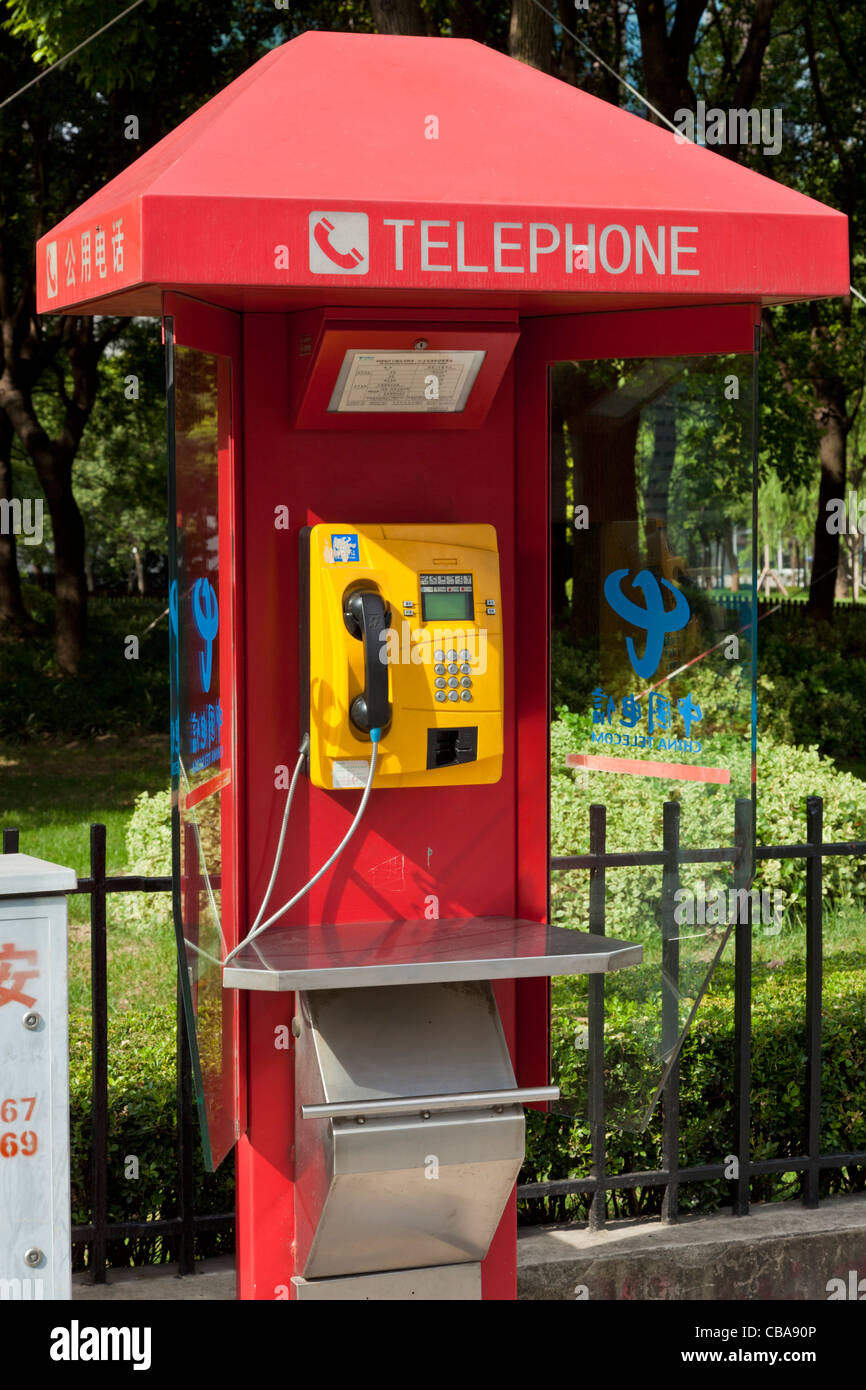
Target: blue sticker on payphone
point(344, 548)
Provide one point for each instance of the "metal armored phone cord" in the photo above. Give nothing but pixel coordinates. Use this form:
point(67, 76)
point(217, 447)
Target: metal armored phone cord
point(259, 926)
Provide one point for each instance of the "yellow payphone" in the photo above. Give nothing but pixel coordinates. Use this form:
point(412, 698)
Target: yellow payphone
point(403, 647)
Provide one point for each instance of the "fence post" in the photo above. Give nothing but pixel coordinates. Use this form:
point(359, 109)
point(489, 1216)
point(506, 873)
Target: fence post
point(743, 866)
point(670, 1006)
point(35, 1247)
point(814, 991)
point(595, 1040)
point(99, 1036)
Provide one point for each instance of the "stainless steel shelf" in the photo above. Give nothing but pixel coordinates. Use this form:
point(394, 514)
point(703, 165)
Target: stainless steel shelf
point(360, 954)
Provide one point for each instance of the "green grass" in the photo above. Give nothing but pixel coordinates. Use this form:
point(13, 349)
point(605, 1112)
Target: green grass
point(52, 792)
point(141, 963)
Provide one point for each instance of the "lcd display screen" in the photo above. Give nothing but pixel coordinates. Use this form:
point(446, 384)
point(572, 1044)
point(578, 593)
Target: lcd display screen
point(446, 597)
point(447, 607)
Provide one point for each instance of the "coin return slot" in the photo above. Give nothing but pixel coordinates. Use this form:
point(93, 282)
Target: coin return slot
point(446, 747)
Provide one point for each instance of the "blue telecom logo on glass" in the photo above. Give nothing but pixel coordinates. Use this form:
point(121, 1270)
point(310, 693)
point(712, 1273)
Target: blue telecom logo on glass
point(204, 724)
point(656, 621)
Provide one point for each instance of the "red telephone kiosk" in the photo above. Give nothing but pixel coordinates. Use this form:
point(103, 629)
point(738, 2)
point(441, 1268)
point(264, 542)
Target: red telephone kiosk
point(358, 337)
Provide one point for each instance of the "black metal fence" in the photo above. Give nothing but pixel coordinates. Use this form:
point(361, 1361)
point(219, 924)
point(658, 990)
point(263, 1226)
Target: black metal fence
point(182, 1229)
point(670, 858)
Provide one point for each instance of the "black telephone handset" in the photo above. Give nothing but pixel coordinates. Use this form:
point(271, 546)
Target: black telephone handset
point(367, 616)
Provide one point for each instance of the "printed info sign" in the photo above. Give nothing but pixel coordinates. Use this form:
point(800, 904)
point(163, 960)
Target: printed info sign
point(34, 1101)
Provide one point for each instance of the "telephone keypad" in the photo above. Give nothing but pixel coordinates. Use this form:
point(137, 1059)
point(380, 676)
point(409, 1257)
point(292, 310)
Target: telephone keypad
point(459, 666)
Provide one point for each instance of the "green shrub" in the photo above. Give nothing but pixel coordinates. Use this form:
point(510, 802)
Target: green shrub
point(112, 694)
point(559, 1147)
point(148, 852)
point(142, 1111)
point(813, 682)
point(786, 777)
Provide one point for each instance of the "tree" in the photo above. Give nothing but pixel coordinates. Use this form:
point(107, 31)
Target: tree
point(69, 349)
point(62, 140)
point(823, 344)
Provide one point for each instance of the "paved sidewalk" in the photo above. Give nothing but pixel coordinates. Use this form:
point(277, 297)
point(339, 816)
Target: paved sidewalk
point(214, 1279)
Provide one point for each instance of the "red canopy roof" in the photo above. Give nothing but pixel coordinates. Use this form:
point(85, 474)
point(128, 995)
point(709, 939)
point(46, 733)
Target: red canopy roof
point(413, 169)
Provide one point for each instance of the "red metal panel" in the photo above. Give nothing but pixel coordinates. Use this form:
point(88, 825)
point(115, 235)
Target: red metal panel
point(464, 170)
point(457, 843)
point(673, 332)
point(319, 341)
point(532, 827)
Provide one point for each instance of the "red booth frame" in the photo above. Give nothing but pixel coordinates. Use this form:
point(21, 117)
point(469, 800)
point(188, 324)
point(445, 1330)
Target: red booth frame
point(265, 457)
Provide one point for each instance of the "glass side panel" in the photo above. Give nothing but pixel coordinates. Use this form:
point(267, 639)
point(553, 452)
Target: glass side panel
point(653, 473)
point(202, 744)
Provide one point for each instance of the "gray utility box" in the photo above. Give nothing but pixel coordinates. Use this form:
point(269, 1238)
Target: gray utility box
point(34, 1080)
point(408, 1190)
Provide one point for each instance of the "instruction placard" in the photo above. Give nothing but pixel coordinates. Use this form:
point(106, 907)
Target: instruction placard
point(408, 382)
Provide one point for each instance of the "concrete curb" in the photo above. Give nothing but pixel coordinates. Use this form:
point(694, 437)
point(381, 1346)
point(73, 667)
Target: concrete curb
point(780, 1252)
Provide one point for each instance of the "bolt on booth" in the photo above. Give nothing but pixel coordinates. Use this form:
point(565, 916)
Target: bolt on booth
point(391, 314)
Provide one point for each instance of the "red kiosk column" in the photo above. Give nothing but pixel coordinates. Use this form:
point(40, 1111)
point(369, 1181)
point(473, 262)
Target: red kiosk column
point(458, 844)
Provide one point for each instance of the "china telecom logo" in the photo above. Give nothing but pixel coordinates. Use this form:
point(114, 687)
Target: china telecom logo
point(205, 611)
point(655, 620)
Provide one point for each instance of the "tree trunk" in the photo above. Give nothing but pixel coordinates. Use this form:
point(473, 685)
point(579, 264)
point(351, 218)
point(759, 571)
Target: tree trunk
point(664, 419)
point(822, 586)
point(398, 17)
point(730, 548)
point(841, 589)
point(604, 460)
point(530, 35)
point(139, 570)
point(13, 614)
point(53, 458)
point(54, 468)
